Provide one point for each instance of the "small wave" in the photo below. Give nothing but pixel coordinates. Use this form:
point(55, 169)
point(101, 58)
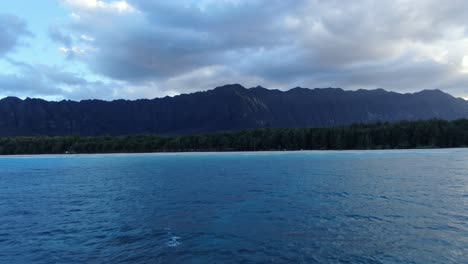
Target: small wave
point(173, 241)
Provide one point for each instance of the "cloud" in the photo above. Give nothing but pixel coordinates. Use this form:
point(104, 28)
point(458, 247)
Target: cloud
point(12, 31)
point(166, 40)
point(29, 81)
point(152, 48)
point(56, 83)
point(305, 43)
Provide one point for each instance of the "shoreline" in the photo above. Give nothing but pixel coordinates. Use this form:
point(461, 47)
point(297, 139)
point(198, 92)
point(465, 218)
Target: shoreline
point(260, 152)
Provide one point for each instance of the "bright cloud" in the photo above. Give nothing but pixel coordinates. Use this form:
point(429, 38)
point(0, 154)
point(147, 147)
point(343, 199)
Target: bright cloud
point(97, 5)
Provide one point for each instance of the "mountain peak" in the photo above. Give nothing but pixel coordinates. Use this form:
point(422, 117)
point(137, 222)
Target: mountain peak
point(11, 99)
point(259, 87)
point(433, 93)
point(234, 86)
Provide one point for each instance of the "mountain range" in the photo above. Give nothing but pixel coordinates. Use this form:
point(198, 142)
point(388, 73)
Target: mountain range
point(225, 108)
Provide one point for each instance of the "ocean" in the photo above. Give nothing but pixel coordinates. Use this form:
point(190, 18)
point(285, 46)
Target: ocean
point(393, 206)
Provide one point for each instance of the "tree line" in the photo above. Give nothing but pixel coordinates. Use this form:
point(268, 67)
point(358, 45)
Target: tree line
point(401, 135)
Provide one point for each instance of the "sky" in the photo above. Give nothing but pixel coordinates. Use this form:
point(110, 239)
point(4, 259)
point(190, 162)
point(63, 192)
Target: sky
point(110, 49)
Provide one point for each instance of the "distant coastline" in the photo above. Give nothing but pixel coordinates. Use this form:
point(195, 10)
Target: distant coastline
point(429, 134)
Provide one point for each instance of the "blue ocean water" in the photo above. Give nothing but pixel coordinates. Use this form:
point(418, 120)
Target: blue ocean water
point(406, 206)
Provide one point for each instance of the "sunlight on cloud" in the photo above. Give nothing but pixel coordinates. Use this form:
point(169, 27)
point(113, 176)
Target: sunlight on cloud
point(464, 64)
point(87, 38)
point(71, 51)
point(96, 5)
point(75, 16)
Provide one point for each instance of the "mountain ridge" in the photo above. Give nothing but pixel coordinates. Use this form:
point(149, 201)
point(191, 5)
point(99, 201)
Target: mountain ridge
point(225, 108)
point(246, 88)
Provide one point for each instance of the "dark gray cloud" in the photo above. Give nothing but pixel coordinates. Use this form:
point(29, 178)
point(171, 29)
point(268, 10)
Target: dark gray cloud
point(12, 29)
point(167, 40)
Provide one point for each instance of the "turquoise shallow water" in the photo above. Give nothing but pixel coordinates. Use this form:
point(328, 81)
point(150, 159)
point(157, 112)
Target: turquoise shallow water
point(284, 207)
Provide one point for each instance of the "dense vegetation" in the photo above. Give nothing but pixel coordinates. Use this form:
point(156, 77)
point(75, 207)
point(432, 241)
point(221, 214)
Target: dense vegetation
point(405, 134)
